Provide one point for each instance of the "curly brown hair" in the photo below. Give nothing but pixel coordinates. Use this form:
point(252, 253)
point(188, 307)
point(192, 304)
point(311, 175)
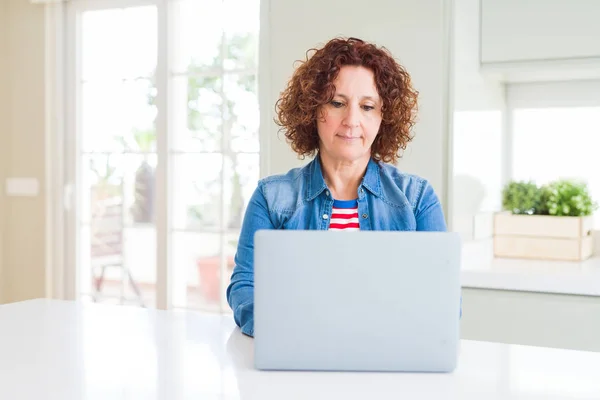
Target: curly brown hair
point(311, 87)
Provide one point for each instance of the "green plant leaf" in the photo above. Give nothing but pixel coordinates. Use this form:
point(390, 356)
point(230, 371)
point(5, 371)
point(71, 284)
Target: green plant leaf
point(566, 197)
point(521, 197)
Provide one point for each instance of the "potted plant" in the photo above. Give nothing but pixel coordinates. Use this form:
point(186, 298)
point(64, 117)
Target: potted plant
point(521, 197)
point(553, 221)
point(567, 198)
point(143, 142)
point(106, 182)
point(209, 273)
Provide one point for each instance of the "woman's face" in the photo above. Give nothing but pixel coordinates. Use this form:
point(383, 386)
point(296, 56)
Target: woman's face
point(349, 124)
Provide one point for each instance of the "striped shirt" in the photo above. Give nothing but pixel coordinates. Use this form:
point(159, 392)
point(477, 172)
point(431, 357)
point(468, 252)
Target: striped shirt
point(344, 216)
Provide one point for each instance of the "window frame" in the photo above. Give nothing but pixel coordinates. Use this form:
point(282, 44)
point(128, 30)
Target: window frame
point(576, 93)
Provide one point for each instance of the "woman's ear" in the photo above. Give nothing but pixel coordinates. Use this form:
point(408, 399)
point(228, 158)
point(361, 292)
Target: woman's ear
point(321, 114)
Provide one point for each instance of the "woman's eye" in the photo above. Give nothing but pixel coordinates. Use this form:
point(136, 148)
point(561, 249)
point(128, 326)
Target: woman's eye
point(368, 108)
point(336, 104)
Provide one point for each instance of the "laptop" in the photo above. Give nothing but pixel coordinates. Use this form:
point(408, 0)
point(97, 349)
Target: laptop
point(383, 301)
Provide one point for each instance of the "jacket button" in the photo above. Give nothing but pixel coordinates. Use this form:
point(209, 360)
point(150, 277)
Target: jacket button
point(325, 216)
point(365, 216)
point(327, 193)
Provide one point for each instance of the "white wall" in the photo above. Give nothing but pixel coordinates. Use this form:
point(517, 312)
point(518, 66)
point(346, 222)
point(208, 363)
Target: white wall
point(581, 93)
point(3, 129)
point(477, 126)
point(22, 148)
point(539, 30)
point(472, 90)
point(413, 30)
point(540, 40)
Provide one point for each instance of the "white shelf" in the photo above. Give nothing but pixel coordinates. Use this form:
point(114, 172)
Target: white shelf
point(481, 270)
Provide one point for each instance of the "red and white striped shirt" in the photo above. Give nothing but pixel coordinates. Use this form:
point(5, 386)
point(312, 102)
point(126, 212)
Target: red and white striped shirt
point(344, 216)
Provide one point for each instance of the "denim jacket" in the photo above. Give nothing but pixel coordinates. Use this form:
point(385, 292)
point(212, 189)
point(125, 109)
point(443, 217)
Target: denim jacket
point(387, 200)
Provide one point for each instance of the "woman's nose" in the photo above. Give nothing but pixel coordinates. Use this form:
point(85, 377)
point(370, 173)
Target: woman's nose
point(352, 117)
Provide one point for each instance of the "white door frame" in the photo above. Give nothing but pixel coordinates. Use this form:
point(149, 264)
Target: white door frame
point(55, 117)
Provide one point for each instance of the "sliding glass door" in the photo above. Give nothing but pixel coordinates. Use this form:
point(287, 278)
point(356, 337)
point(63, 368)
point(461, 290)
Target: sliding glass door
point(163, 148)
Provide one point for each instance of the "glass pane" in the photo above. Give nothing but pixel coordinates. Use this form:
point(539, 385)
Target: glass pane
point(197, 35)
point(101, 50)
point(542, 154)
point(130, 178)
point(118, 237)
point(102, 122)
point(139, 102)
point(117, 264)
point(139, 39)
point(119, 116)
point(477, 176)
point(197, 191)
point(118, 111)
point(241, 34)
point(196, 113)
point(241, 115)
point(242, 52)
point(102, 181)
point(197, 263)
point(111, 49)
point(241, 178)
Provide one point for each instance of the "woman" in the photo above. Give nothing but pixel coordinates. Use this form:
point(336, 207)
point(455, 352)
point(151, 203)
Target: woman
point(352, 106)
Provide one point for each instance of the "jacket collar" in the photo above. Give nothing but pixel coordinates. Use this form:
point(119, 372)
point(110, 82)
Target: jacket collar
point(316, 183)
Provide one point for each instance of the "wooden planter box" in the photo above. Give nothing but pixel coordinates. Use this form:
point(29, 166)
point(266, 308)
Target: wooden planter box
point(543, 237)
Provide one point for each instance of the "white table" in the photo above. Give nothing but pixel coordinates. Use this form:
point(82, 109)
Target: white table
point(64, 350)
